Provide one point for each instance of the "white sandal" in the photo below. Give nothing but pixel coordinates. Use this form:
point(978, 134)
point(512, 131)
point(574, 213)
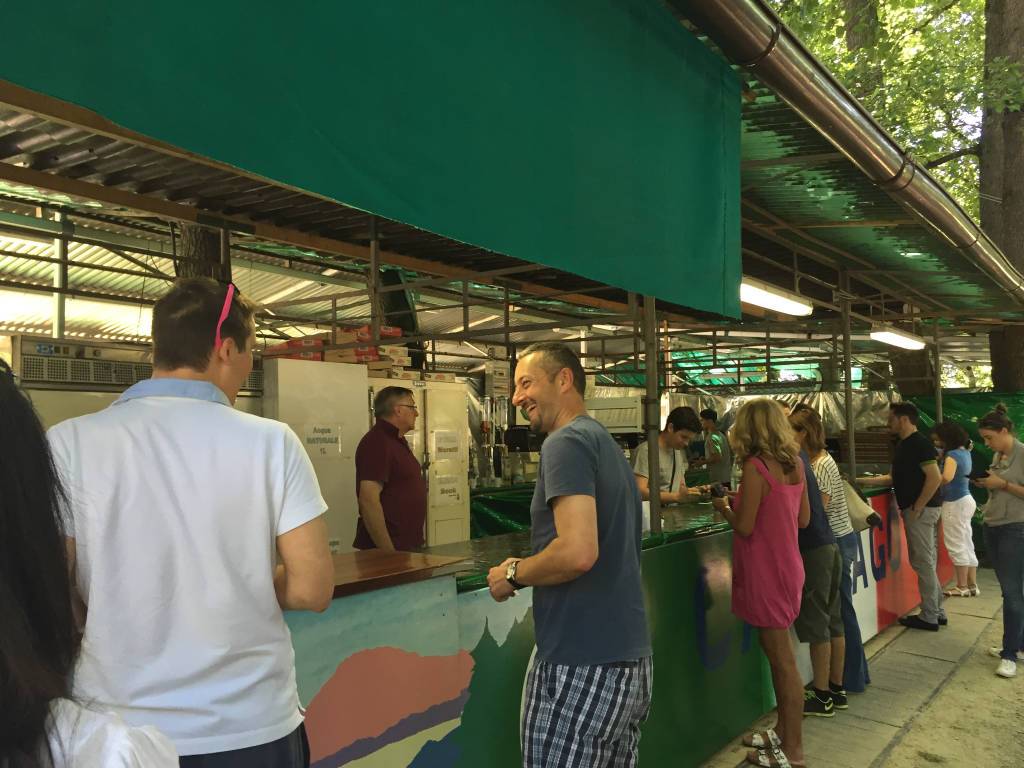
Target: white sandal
point(757, 739)
point(773, 758)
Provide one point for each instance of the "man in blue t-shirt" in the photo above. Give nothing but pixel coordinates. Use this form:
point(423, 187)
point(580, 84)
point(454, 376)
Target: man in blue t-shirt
point(593, 670)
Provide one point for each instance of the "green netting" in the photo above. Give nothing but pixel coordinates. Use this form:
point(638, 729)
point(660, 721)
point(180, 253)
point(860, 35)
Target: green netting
point(596, 136)
point(493, 511)
point(966, 409)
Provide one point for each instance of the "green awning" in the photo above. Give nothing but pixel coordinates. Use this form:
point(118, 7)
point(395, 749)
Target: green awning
point(595, 136)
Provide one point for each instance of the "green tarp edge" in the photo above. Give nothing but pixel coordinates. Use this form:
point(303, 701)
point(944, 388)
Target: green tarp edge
point(595, 136)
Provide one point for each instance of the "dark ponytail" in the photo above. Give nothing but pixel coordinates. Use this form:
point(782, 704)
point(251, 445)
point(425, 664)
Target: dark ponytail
point(996, 420)
point(38, 637)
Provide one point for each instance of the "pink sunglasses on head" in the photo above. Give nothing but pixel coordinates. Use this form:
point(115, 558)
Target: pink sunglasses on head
point(224, 314)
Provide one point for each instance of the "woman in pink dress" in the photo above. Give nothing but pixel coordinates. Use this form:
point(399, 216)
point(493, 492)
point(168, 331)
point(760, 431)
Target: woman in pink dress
point(768, 573)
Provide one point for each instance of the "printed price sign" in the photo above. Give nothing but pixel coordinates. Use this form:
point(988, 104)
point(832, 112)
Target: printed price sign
point(322, 441)
point(445, 490)
point(446, 445)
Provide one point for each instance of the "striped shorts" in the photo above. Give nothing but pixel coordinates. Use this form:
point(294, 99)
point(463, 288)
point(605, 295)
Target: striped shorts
point(585, 715)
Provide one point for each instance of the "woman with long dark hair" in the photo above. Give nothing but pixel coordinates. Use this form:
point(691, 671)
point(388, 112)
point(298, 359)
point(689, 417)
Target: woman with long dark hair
point(39, 726)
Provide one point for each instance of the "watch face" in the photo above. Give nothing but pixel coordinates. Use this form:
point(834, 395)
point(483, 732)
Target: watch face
point(510, 572)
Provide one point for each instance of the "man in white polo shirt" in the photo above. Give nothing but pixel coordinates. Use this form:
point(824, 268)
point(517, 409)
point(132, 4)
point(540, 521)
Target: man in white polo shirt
point(178, 503)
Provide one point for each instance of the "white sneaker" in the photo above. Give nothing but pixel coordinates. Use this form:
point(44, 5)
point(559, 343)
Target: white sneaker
point(1007, 668)
point(998, 653)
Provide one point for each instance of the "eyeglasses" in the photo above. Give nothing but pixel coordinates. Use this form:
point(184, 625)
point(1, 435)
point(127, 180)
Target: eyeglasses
point(406, 405)
point(225, 310)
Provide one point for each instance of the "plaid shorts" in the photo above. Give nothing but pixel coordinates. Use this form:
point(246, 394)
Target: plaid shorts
point(585, 715)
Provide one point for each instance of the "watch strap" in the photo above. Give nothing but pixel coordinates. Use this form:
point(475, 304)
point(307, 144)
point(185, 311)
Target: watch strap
point(510, 575)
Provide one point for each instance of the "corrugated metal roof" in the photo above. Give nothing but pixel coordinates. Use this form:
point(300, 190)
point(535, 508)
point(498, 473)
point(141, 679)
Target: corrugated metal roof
point(797, 186)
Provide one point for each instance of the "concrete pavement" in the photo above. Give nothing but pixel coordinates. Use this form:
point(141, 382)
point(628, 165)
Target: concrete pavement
point(934, 700)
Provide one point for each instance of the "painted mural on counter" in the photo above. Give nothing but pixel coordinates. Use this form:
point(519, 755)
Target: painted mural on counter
point(415, 676)
point(421, 676)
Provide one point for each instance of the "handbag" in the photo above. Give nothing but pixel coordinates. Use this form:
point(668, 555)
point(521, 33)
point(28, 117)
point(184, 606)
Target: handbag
point(862, 515)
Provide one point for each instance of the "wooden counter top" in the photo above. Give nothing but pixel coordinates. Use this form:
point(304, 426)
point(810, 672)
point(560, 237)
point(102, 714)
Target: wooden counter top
point(370, 569)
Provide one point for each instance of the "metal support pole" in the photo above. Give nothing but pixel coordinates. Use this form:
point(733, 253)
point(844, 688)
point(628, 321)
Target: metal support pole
point(374, 282)
point(60, 282)
point(938, 375)
point(768, 354)
point(334, 321)
point(225, 253)
point(512, 410)
point(634, 314)
point(652, 411)
point(508, 314)
point(851, 441)
point(465, 306)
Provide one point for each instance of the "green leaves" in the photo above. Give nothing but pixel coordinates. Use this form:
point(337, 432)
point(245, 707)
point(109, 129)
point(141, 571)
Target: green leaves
point(1004, 85)
point(918, 67)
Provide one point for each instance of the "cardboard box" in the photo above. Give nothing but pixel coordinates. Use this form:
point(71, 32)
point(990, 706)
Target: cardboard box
point(400, 362)
point(379, 373)
point(497, 369)
point(386, 331)
point(379, 365)
point(348, 335)
point(433, 376)
point(295, 353)
point(346, 356)
point(306, 341)
point(392, 350)
point(400, 373)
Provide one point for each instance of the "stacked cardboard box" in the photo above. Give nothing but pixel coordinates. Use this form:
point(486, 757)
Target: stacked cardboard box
point(434, 376)
point(383, 361)
point(297, 349)
point(496, 379)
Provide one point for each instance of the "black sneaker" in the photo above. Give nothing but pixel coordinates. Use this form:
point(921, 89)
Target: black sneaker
point(943, 621)
point(839, 698)
point(916, 622)
point(816, 707)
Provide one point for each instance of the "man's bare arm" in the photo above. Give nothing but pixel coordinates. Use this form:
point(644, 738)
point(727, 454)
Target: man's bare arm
point(373, 514)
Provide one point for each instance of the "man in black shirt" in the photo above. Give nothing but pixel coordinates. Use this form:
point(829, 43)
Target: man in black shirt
point(915, 482)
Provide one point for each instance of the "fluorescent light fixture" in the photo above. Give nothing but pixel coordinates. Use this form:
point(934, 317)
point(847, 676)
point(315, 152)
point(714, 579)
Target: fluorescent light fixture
point(717, 371)
point(895, 338)
point(776, 299)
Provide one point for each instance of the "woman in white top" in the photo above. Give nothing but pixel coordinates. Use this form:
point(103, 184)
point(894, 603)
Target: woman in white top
point(39, 726)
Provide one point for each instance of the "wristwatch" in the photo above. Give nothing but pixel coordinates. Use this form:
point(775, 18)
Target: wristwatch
point(510, 575)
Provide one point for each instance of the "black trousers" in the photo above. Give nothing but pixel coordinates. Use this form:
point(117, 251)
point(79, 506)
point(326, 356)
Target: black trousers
point(291, 751)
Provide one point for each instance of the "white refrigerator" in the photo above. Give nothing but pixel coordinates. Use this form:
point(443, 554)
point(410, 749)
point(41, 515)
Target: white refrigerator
point(325, 403)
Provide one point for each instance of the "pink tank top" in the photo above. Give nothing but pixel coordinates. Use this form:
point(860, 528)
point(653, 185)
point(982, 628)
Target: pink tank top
point(768, 572)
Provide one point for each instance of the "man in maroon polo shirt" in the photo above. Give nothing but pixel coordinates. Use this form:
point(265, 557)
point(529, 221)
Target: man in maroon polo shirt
point(391, 491)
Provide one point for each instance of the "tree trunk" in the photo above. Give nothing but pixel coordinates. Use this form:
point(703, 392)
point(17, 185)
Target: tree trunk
point(200, 249)
point(863, 34)
point(913, 372)
point(1002, 177)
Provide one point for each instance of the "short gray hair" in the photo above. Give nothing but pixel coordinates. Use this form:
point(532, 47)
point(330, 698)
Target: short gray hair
point(385, 401)
point(557, 356)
